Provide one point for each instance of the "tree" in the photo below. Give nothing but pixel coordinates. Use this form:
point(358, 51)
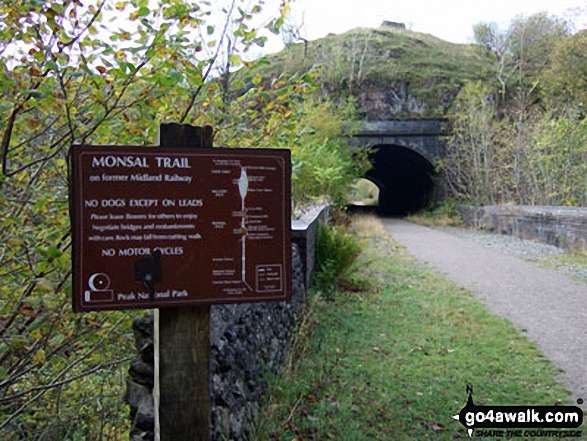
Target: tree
point(567, 76)
point(495, 41)
point(109, 73)
point(531, 41)
point(522, 52)
point(469, 166)
point(97, 72)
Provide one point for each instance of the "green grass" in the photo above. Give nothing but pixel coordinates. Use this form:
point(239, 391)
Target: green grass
point(573, 260)
point(577, 259)
point(393, 363)
point(444, 215)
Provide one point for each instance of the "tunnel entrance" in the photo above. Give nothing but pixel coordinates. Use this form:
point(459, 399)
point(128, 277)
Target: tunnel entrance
point(404, 177)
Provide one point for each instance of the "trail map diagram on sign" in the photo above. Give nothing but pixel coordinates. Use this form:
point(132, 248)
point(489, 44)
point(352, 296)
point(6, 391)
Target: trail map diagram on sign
point(170, 227)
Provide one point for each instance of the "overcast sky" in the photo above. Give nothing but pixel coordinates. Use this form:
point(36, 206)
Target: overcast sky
point(451, 20)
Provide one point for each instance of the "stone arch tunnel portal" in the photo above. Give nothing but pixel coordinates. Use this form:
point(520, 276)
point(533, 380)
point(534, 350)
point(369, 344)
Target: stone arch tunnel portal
point(406, 179)
point(404, 156)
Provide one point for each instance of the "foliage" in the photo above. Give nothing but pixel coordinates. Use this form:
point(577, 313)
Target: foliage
point(444, 215)
point(337, 252)
point(472, 150)
point(531, 41)
point(324, 165)
point(528, 147)
point(102, 72)
point(522, 51)
point(394, 364)
point(557, 162)
point(488, 162)
point(567, 77)
point(364, 192)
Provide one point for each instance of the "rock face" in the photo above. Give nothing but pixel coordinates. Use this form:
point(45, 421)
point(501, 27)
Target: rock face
point(390, 102)
point(248, 341)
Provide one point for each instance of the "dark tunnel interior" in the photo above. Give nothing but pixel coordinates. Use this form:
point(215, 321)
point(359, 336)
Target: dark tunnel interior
point(404, 177)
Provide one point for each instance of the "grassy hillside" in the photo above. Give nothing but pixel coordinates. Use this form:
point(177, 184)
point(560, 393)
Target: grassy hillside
point(391, 72)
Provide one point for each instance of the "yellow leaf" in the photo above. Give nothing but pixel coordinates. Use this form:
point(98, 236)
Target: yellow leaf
point(37, 333)
point(45, 285)
point(39, 356)
point(285, 9)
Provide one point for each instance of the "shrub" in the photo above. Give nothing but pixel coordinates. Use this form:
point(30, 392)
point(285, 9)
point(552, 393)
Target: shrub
point(337, 252)
point(446, 214)
point(324, 165)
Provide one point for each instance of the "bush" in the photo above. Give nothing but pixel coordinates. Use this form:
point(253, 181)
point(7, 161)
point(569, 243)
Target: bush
point(324, 165)
point(446, 214)
point(336, 253)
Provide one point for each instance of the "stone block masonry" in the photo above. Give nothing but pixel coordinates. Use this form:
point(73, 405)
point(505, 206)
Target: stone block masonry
point(247, 342)
point(564, 227)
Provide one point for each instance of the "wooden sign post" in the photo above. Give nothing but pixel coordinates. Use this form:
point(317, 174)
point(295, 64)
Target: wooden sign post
point(180, 227)
point(182, 341)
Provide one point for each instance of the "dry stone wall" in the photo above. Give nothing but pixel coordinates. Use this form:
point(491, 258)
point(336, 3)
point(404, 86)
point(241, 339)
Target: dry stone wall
point(248, 341)
point(564, 227)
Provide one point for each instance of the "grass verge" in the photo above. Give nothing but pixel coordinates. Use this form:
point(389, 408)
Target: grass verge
point(573, 263)
point(392, 362)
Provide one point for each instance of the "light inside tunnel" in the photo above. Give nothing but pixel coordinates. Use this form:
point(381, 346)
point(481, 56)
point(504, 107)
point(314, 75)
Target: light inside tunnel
point(404, 177)
point(363, 192)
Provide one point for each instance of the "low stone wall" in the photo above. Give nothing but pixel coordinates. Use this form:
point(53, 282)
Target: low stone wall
point(247, 342)
point(564, 227)
point(303, 234)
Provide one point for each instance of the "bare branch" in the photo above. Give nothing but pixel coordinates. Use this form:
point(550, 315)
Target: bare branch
point(56, 381)
point(53, 385)
point(62, 45)
point(210, 66)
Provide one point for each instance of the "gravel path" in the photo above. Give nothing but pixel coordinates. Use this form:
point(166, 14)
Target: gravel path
point(546, 303)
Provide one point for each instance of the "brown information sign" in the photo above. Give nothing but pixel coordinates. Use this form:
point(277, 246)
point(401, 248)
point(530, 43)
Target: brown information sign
point(157, 228)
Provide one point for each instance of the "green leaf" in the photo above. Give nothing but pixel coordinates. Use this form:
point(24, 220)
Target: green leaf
point(235, 60)
point(210, 30)
point(40, 356)
point(53, 252)
point(52, 65)
point(143, 11)
point(275, 26)
point(261, 41)
point(36, 94)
